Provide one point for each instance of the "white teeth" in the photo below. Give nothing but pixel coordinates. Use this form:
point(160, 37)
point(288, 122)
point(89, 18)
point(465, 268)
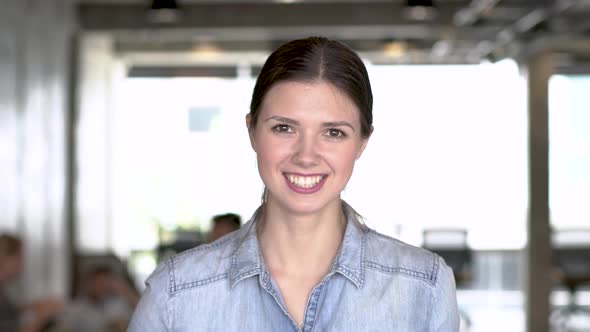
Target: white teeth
point(304, 181)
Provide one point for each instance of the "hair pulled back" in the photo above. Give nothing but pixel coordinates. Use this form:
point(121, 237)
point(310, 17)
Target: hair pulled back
point(317, 59)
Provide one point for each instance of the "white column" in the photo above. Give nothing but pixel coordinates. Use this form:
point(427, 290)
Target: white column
point(93, 148)
point(34, 88)
point(9, 174)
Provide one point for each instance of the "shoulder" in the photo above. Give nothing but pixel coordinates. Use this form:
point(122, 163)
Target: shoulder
point(195, 267)
point(388, 255)
point(203, 265)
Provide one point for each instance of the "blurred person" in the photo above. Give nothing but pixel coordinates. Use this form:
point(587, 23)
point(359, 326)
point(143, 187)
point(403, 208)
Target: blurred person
point(105, 305)
point(224, 224)
point(32, 317)
point(305, 261)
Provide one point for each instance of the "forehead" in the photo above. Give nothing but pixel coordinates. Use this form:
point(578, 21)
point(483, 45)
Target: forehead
point(319, 99)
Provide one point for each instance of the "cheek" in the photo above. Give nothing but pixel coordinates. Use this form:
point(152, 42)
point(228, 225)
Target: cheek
point(271, 151)
point(343, 158)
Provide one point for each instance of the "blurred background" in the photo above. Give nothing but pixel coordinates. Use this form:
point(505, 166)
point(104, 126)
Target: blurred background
point(122, 135)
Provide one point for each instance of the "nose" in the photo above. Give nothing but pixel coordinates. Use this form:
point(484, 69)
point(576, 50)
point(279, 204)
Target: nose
point(306, 152)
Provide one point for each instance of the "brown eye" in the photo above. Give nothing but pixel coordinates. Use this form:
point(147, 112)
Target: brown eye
point(282, 128)
point(333, 132)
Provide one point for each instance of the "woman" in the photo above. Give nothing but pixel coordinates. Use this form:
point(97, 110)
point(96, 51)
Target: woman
point(304, 262)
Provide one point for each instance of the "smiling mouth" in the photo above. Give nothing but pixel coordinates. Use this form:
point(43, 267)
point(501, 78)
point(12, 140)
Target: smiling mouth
point(303, 181)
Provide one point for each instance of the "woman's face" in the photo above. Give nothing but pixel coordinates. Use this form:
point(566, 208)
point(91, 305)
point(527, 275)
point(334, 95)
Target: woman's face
point(307, 139)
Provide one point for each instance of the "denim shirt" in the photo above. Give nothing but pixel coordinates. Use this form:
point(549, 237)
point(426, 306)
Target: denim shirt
point(376, 284)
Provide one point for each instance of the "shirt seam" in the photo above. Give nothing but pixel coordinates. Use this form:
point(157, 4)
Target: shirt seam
point(429, 279)
point(171, 276)
point(434, 294)
point(197, 283)
point(172, 281)
point(234, 275)
point(435, 267)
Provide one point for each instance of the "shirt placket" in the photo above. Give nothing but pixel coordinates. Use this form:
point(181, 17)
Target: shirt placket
point(311, 310)
point(270, 289)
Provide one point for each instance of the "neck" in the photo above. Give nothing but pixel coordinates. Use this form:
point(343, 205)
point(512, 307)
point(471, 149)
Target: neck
point(300, 243)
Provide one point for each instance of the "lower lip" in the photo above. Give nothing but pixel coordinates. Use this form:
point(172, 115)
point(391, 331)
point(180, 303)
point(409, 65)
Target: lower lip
point(310, 190)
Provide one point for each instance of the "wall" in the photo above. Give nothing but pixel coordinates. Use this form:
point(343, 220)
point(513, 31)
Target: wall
point(35, 43)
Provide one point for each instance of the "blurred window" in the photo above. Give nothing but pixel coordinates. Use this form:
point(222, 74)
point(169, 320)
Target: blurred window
point(449, 150)
point(569, 151)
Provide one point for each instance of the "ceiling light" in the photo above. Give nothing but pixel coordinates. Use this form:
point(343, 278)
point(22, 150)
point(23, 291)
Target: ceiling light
point(420, 3)
point(206, 50)
point(164, 11)
point(420, 10)
point(395, 49)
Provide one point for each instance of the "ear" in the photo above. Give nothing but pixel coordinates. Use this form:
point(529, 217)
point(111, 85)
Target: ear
point(364, 142)
point(250, 131)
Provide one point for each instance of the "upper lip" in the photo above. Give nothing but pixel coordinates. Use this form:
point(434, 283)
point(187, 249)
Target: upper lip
point(301, 174)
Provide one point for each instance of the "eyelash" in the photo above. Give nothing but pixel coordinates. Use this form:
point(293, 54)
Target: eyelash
point(339, 133)
point(282, 128)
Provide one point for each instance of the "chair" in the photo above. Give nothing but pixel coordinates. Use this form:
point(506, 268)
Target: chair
point(571, 255)
point(179, 242)
point(451, 245)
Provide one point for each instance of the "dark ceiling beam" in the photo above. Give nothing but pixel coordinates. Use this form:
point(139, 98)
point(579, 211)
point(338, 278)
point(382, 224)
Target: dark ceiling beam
point(239, 15)
point(507, 40)
point(563, 43)
point(570, 44)
point(473, 13)
point(428, 33)
point(488, 28)
point(264, 22)
point(359, 38)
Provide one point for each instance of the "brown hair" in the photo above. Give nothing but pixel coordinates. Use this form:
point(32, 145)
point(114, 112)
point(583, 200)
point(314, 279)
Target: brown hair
point(317, 59)
point(10, 245)
point(234, 219)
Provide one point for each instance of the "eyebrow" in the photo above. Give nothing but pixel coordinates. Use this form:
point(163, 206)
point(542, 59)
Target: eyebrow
point(282, 119)
point(324, 124)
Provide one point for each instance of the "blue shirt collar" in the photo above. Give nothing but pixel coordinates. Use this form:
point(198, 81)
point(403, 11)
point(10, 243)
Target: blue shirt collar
point(247, 259)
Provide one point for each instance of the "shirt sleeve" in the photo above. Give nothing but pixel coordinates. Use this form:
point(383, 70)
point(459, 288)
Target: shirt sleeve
point(154, 312)
point(445, 313)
